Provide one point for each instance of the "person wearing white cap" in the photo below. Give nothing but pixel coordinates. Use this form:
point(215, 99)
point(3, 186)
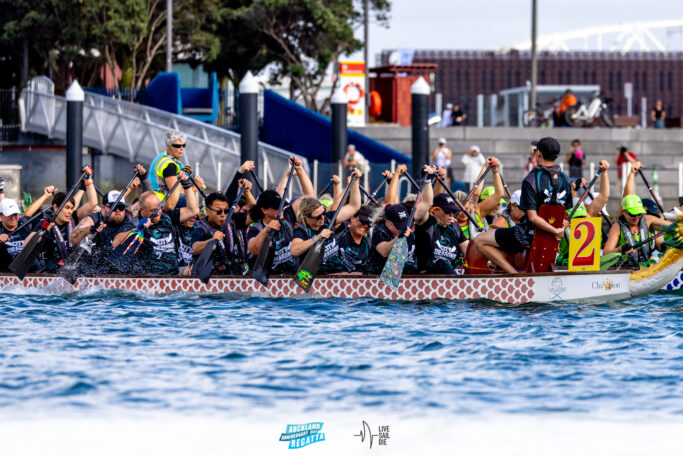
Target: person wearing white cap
point(441, 157)
point(11, 243)
point(473, 160)
point(512, 214)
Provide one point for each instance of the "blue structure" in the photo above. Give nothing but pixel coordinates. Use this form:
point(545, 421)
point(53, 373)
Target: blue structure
point(295, 128)
point(164, 92)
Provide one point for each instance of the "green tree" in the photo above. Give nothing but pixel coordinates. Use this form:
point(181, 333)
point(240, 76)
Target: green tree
point(300, 38)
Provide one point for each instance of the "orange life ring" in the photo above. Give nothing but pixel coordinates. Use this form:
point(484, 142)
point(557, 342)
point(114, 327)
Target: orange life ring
point(375, 104)
point(359, 89)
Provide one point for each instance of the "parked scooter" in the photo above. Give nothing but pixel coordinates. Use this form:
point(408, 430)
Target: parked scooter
point(581, 115)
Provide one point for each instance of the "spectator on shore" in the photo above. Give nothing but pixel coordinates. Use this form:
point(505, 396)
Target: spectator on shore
point(473, 161)
point(531, 161)
point(575, 159)
point(568, 100)
point(355, 160)
point(446, 120)
point(658, 115)
point(623, 155)
point(458, 116)
point(441, 157)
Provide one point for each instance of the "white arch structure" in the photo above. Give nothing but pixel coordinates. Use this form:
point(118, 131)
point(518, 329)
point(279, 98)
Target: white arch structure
point(633, 36)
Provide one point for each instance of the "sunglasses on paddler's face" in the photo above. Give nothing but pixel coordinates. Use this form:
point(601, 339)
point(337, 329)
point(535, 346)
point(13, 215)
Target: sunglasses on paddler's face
point(119, 207)
point(177, 146)
point(219, 211)
point(318, 217)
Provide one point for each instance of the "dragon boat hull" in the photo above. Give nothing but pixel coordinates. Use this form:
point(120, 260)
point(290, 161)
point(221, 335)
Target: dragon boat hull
point(522, 288)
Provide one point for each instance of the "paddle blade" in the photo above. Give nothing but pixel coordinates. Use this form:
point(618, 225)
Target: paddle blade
point(203, 267)
point(122, 255)
point(393, 268)
point(264, 260)
point(309, 267)
point(610, 260)
point(71, 269)
point(24, 260)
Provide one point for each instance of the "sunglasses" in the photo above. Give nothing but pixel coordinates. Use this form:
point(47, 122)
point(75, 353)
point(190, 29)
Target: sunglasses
point(317, 217)
point(177, 146)
point(219, 211)
point(633, 215)
point(119, 207)
point(364, 222)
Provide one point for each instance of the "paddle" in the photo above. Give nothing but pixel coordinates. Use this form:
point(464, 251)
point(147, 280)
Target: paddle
point(368, 195)
point(324, 190)
point(652, 192)
point(459, 204)
point(24, 260)
point(257, 181)
point(70, 270)
point(479, 180)
point(203, 267)
point(396, 260)
point(585, 194)
point(626, 247)
point(188, 171)
point(374, 194)
point(264, 260)
point(309, 267)
point(119, 257)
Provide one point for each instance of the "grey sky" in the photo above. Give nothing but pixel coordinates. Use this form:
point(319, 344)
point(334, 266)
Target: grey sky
point(492, 24)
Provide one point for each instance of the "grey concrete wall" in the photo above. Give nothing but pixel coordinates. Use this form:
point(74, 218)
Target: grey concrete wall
point(657, 149)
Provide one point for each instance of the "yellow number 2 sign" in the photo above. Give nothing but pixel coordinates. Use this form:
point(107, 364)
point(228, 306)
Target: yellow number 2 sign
point(584, 244)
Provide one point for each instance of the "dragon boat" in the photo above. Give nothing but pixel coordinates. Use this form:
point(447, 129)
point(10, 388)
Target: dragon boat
point(543, 287)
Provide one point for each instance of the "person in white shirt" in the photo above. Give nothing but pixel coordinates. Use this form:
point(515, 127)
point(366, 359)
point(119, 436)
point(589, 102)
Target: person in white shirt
point(441, 157)
point(355, 159)
point(446, 119)
point(473, 161)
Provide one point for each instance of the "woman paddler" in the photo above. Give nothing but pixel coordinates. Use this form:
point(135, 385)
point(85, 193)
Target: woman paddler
point(313, 221)
point(264, 215)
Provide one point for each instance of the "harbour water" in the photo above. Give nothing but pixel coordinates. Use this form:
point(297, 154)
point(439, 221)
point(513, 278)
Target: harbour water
point(117, 355)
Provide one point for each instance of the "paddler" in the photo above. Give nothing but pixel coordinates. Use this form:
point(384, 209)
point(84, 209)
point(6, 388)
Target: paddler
point(157, 254)
point(233, 257)
point(478, 208)
point(633, 225)
point(263, 216)
point(313, 220)
point(57, 246)
point(512, 214)
point(11, 241)
point(545, 184)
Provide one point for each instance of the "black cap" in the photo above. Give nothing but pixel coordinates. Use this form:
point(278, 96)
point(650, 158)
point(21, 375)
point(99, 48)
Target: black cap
point(680, 200)
point(269, 199)
point(445, 202)
point(534, 143)
point(651, 207)
point(364, 214)
point(549, 147)
point(398, 215)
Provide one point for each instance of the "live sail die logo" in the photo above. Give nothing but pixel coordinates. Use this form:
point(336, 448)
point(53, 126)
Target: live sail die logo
point(380, 437)
point(301, 435)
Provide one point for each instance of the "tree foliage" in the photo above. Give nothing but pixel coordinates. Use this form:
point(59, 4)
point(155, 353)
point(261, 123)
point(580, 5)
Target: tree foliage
point(300, 39)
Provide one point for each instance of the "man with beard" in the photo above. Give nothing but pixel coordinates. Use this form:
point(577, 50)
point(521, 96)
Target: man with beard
point(158, 254)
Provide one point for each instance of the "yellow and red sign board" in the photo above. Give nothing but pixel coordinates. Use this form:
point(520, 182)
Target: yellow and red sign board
point(352, 80)
point(584, 244)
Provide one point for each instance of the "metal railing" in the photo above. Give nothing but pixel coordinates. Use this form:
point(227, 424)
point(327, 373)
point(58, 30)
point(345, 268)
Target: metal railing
point(137, 133)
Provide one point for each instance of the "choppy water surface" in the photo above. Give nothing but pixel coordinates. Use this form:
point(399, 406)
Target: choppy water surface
point(110, 351)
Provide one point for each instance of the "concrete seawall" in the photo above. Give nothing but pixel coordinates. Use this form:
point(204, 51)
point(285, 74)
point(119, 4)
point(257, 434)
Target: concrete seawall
point(657, 149)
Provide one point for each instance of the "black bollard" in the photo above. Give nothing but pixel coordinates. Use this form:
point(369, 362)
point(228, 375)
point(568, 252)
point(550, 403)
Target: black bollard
point(420, 129)
point(74, 133)
point(339, 103)
point(249, 118)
